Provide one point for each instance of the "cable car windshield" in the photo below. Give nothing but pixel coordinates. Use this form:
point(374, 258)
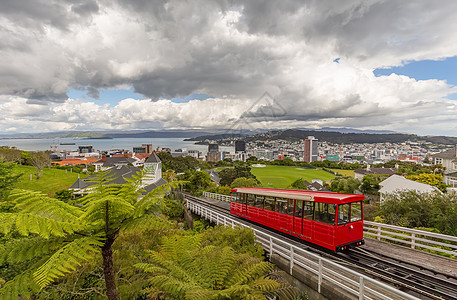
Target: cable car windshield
point(349, 212)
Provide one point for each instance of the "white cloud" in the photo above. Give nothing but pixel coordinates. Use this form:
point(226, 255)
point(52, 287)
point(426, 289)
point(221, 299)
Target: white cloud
point(234, 51)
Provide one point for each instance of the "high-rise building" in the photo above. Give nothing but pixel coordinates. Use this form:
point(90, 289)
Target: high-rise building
point(214, 156)
point(86, 149)
point(141, 149)
point(240, 146)
point(213, 147)
point(148, 148)
point(310, 149)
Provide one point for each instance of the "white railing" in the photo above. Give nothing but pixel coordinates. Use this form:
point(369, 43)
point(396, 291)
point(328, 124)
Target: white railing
point(416, 239)
point(217, 196)
point(353, 282)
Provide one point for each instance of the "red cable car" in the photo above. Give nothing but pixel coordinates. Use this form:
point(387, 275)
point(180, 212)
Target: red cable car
point(330, 220)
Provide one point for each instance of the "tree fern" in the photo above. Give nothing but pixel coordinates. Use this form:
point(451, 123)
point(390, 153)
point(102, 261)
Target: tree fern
point(63, 235)
point(97, 210)
point(182, 268)
point(66, 259)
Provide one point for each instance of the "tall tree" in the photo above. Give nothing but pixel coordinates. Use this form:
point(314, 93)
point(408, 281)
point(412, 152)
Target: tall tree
point(244, 182)
point(39, 160)
point(62, 236)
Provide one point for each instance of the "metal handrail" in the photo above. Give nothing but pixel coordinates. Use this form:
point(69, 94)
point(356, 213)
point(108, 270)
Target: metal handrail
point(215, 196)
point(312, 262)
point(412, 237)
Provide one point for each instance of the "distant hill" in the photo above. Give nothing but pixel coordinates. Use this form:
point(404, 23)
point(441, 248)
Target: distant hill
point(215, 137)
point(332, 135)
point(107, 134)
point(338, 137)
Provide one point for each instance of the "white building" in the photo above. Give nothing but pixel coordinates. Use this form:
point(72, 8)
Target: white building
point(448, 159)
point(396, 183)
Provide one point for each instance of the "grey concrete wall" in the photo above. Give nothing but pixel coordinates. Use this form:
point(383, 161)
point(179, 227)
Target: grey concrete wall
point(308, 282)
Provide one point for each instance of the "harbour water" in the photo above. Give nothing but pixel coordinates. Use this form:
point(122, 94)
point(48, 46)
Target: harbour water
point(105, 144)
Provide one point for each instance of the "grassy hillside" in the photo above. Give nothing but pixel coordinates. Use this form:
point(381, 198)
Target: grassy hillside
point(51, 181)
point(282, 177)
point(349, 173)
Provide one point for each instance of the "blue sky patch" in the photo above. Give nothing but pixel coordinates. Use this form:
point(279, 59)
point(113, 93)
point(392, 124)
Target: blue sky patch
point(426, 69)
point(110, 96)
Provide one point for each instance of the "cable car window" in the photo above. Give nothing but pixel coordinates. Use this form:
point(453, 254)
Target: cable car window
point(298, 208)
point(308, 209)
point(290, 207)
point(281, 205)
point(356, 211)
point(270, 203)
point(251, 200)
point(259, 201)
point(235, 197)
point(343, 214)
point(325, 213)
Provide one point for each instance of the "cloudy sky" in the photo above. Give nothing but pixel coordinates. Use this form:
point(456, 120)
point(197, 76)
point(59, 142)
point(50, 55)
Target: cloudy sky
point(138, 64)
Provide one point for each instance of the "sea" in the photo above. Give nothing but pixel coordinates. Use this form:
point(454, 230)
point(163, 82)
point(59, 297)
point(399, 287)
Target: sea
point(105, 144)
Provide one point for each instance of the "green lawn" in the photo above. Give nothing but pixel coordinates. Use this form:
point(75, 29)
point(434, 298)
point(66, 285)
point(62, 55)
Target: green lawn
point(51, 181)
point(349, 173)
point(282, 177)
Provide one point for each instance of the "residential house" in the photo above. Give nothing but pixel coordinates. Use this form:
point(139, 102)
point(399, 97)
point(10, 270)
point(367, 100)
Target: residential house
point(396, 183)
point(109, 162)
point(448, 159)
point(316, 185)
point(120, 170)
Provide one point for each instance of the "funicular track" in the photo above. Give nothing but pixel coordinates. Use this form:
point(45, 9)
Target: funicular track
point(411, 278)
point(429, 283)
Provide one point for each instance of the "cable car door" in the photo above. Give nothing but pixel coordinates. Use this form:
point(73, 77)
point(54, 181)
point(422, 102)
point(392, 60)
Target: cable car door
point(298, 218)
point(244, 207)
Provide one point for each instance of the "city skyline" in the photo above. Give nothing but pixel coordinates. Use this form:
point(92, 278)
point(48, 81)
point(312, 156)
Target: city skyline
point(114, 65)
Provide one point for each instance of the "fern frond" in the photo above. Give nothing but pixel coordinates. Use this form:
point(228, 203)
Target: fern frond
point(265, 284)
point(66, 259)
point(200, 293)
point(256, 270)
point(286, 290)
point(177, 288)
point(220, 263)
point(26, 249)
point(116, 208)
point(20, 286)
point(150, 268)
point(40, 204)
point(147, 222)
point(25, 223)
point(154, 197)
